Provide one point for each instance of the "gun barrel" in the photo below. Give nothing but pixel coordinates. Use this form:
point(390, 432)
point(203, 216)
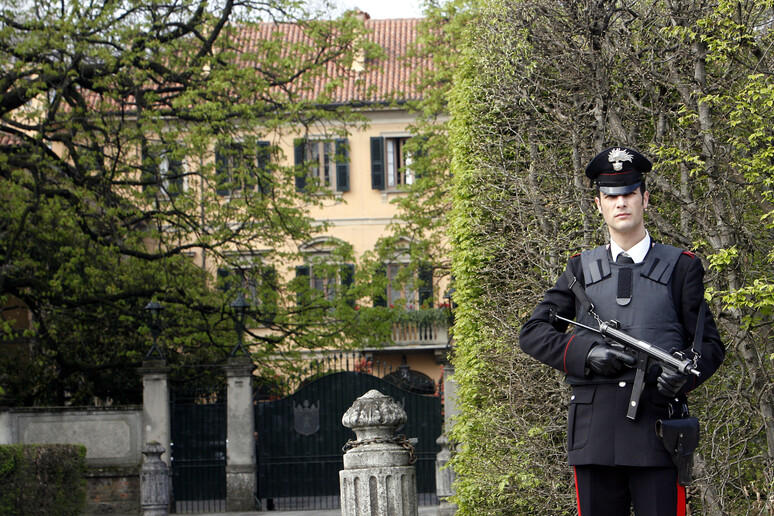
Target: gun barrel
point(681, 365)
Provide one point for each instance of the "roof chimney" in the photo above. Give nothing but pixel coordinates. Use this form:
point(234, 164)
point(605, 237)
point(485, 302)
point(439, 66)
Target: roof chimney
point(362, 14)
point(358, 63)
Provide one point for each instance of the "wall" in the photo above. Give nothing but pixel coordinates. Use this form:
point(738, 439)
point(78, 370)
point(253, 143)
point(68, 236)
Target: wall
point(112, 437)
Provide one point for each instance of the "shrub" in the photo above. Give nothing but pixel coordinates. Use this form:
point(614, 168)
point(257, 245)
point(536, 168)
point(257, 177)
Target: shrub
point(42, 480)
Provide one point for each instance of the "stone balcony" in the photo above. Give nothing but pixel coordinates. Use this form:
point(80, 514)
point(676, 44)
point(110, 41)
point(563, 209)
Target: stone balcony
point(426, 335)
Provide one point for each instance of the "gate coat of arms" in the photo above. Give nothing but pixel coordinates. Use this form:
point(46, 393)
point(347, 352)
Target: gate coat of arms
point(306, 417)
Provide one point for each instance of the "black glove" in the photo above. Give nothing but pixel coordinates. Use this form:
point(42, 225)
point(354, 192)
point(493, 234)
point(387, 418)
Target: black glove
point(608, 361)
point(670, 382)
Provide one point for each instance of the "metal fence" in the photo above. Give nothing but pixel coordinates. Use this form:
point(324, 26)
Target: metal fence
point(300, 439)
point(198, 450)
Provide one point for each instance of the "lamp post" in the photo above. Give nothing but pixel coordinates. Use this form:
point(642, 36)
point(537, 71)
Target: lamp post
point(239, 307)
point(154, 309)
point(450, 305)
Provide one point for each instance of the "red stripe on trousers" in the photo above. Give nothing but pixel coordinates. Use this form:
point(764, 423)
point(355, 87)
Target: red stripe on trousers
point(681, 503)
point(577, 493)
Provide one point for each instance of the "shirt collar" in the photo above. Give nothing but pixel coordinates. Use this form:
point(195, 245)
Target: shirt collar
point(637, 252)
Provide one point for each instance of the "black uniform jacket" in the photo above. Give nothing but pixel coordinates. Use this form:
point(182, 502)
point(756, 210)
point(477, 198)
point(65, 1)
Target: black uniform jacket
point(598, 430)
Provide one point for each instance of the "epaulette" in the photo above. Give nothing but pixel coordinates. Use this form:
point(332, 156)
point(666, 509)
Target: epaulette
point(688, 253)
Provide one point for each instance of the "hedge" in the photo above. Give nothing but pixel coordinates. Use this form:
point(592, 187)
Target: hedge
point(42, 480)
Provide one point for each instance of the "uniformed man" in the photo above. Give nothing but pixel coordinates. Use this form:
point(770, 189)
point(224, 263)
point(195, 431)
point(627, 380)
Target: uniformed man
point(656, 292)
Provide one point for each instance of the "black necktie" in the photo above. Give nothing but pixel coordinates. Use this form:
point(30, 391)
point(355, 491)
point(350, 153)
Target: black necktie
point(624, 295)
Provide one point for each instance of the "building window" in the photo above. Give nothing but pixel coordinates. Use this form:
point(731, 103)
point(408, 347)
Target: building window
point(390, 163)
point(326, 280)
point(401, 291)
point(258, 283)
point(240, 167)
point(398, 163)
point(405, 288)
point(161, 172)
point(325, 163)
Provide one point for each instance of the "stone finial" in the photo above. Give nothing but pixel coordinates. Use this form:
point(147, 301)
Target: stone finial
point(378, 478)
point(374, 415)
point(152, 450)
point(154, 481)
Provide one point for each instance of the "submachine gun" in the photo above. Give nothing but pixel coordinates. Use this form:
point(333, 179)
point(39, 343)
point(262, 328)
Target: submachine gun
point(644, 352)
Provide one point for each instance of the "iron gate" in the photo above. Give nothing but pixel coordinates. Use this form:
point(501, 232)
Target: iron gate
point(300, 438)
point(199, 452)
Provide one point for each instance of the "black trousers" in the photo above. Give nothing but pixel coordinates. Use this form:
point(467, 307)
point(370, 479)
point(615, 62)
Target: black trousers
point(613, 490)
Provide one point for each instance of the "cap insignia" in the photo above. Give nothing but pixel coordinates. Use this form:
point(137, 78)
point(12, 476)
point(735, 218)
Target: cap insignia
point(617, 157)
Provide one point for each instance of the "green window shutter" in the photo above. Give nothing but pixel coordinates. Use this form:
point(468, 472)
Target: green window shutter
point(377, 163)
point(380, 297)
point(264, 179)
point(342, 165)
point(174, 180)
point(224, 279)
point(419, 155)
point(221, 171)
point(303, 271)
point(299, 152)
point(147, 168)
point(425, 290)
point(268, 294)
point(347, 274)
point(347, 279)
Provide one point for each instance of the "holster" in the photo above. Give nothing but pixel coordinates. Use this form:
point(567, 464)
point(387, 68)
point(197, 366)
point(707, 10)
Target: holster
point(680, 438)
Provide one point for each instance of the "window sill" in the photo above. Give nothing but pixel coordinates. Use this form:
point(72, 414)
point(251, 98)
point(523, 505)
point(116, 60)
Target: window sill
point(386, 194)
point(336, 197)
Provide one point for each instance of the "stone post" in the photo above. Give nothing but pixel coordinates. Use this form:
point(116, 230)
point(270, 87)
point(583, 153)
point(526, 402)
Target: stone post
point(444, 478)
point(240, 445)
point(5, 426)
point(155, 404)
point(444, 474)
point(378, 478)
point(154, 481)
point(5, 416)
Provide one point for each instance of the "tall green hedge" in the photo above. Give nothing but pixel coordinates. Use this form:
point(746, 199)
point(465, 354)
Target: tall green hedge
point(42, 480)
point(504, 459)
point(540, 87)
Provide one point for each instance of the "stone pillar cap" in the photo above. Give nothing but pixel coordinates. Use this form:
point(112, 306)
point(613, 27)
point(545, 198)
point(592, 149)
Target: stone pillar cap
point(374, 415)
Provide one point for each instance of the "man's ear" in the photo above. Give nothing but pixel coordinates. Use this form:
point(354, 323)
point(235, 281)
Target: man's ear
point(596, 201)
point(645, 199)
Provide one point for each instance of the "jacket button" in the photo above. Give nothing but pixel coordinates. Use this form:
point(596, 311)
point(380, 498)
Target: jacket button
point(572, 397)
point(622, 384)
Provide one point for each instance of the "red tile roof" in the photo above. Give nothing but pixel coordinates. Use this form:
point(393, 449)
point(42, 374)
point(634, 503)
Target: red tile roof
point(9, 139)
point(384, 79)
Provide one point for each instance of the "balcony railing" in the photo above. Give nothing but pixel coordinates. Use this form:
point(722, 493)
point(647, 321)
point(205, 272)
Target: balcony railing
point(420, 334)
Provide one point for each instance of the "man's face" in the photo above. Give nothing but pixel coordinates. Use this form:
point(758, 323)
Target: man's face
point(623, 214)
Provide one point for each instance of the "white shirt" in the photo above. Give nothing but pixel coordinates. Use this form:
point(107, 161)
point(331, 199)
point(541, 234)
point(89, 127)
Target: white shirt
point(637, 252)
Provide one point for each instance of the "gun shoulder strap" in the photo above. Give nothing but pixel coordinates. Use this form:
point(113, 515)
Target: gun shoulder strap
point(580, 293)
point(699, 333)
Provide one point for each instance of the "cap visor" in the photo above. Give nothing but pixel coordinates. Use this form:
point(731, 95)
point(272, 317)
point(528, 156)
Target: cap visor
point(619, 190)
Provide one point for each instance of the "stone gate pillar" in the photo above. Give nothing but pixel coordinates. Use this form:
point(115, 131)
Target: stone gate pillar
point(240, 447)
point(378, 478)
point(156, 426)
point(444, 474)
